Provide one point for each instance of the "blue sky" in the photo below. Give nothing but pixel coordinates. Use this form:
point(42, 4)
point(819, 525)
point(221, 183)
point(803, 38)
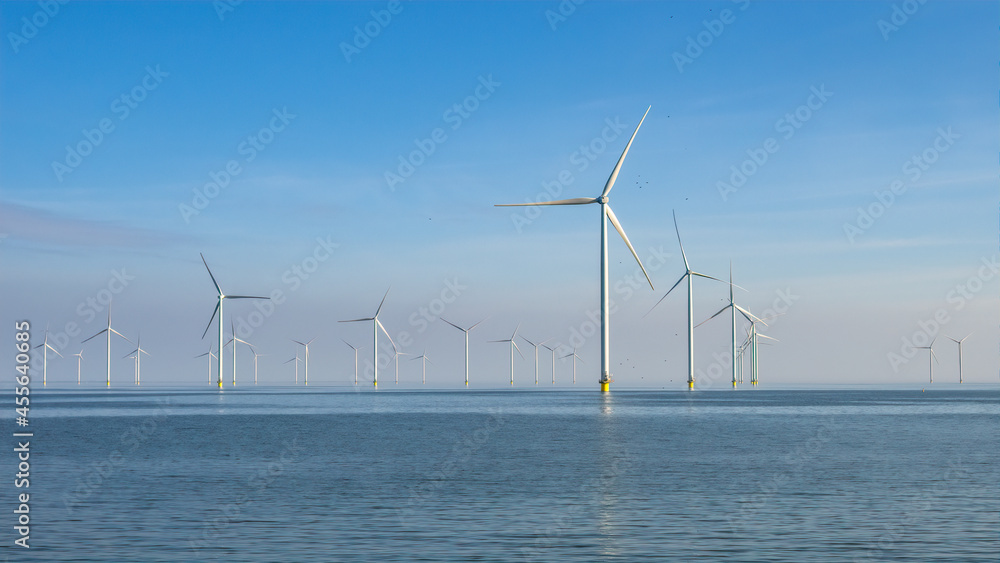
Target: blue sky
point(203, 83)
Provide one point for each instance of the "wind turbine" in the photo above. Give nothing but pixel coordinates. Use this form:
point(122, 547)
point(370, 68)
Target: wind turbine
point(218, 309)
point(306, 358)
point(959, 342)
point(395, 357)
point(553, 351)
point(376, 325)
point(233, 341)
point(734, 307)
point(606, 213)
point(296, 360)
point(355, 359)
point(108, 331)
point(45, 346)
point(513, 346)
point(210, 355)
point(423, 366)
point(138, 358)
point(135, 364)
point(536, 354)
point(466, 331)
point(689, 274)
point(79, 358)
point(255, 356)
point(575, 358)
point(930, 359)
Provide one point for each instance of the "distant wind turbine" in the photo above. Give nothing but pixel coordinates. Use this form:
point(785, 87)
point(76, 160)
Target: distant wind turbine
point(575, 358)
point(139, 351)
point(734, 308)
point(305, 360)
point(255, 356)
point(376, 325)
point(296, 360)
point(45, 346)
point(423, 366)
point(395, 358)
point(553, 351)
point(466, 331)
point(535, 346)
point(233, 341)
point(959, 342)
point(355, 359)
point(513, 346)
point(109, 331)
point(79, 358)
point(931, 358)
point(689, 274)
point(606, 213)
point(218, 309)
point(210, 355)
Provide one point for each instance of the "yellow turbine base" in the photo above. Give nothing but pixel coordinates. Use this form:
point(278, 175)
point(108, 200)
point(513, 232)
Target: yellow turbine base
point(690, 385)
point(605, 386)
point(734, 385)
point(376, 384)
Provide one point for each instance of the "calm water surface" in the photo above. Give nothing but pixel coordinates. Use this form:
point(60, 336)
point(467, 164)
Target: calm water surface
point(327, 475)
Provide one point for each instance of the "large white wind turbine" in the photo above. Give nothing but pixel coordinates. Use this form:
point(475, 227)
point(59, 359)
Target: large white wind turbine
point(305, 361)
point(466, 331)
point(575, 358)
point(689, 274)
point(606, 213)
point(959, 342)
point(423, 365)
point(210, 355)
point(513, 346)
point(535, 346)
point(79, 358)
point(553, 351)
point(355, 359)
point(218, 309)
point(138, 352)
point(45, 346)
point(930, 359)
point(376, 325)
point(109, 331)
point(734, 307)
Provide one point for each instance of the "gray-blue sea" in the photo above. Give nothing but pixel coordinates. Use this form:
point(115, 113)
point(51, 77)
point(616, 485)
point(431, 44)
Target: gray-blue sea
point(282, 475)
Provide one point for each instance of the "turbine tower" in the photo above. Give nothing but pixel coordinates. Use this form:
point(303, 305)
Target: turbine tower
point(931, 358)
point(45, 346)
point(423, 365)
point(108, 331)
point(959, 342)
point(513, 346)
point(305, 361)
point(355, 359)
point(79, 358)
point(689, 274)
point(376, 325)
point(218, 309)
point(466, 331)
point(606, 214)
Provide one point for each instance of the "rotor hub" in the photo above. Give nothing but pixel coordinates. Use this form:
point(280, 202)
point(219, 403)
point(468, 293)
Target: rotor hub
point(603, 199)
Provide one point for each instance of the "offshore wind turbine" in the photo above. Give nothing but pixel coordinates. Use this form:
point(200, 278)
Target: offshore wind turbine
point(296, 360)
point(45, 346)
point(536, 354)
point(255, 356)
point(423, 365)
point(376, 325)
point(210, 355)
point(218, 309)
point(931, 358)
point(734, 308)
point(306, 358)
point(108, 331)
point(959, 342)
point(355, 359)
point(233, 341)
point(606, 213)
point(466, 331)
point(138, 358)
point(79, 358)
point(689, 274)
point(513, 346)
point(575, 358)
point(395, 357)
point(553, 351)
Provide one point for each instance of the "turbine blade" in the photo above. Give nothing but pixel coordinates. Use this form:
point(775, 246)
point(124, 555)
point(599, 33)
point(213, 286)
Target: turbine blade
point(514, 344)
point(513, 336)
point(453, 324)
point(722, 310)
point(357, 320)
point(665, 295)
point(477, 324)
point(95, 336)
point(750, 316)
point(348, 343)
point(245, 297)
point(711, 278)
point(681, 244)
point(618, 227)
point(122, 335)
point(618, 166)
point(377, 311)
point(386, 332)
point(573, 201)
point(215, 283)
point(211, 319)
point(759, 335)
point(528, 341)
